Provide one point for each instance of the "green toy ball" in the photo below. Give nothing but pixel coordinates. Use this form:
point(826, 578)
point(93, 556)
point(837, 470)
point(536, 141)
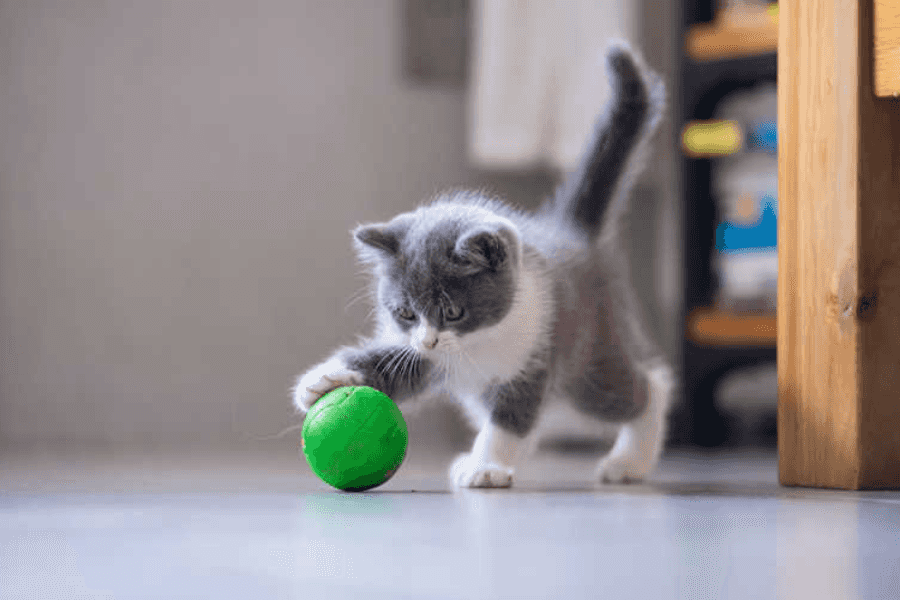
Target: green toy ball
point(354, 438)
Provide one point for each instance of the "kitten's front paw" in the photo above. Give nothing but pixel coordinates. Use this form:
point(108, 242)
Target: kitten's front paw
point(469, 472)
point(323, 378)
point(623, 469)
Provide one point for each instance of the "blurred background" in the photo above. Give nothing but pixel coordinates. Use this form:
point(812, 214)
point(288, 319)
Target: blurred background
point(178, 180)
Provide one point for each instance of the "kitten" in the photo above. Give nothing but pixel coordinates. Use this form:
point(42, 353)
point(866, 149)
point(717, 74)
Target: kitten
point(512, 312)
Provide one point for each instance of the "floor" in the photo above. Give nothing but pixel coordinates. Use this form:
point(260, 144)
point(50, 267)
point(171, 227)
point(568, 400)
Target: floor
point(709, 526)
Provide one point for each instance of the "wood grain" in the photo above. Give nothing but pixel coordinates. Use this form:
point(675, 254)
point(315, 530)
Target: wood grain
point(887, 48)
point(839, 253)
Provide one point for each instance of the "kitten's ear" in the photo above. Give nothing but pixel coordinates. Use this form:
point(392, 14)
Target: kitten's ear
point(485, 248)
point(379, 237)
point(381, 240)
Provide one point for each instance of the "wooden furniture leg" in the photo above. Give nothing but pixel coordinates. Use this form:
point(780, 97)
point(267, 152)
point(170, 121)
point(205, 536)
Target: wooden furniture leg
point(887, 47)
point(839, 251)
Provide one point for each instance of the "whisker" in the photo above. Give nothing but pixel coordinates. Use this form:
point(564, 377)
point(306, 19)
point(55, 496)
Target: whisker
point(390, 357)
point(397, 363)
point(280, 435)
point(414, 364)
point(405, 357)
point(382, 359)
point(409, 366)
point(391, 367)
point(359, 295)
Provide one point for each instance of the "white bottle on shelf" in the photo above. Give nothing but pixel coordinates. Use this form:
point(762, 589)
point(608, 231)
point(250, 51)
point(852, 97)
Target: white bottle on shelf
point(745, 187)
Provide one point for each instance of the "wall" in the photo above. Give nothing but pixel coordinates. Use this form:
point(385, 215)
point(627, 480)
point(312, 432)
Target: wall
point(177, 180)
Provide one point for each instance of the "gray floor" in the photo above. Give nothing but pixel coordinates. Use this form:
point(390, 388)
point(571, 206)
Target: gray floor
point(708, 526)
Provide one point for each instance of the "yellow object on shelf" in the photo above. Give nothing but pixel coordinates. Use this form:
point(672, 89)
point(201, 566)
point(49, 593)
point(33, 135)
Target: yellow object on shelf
point(712, 138)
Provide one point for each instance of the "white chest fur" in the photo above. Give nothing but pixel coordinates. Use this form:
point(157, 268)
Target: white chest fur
point(500, 352)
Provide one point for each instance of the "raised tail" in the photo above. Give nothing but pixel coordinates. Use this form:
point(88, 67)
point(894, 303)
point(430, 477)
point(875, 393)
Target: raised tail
point(597, 193)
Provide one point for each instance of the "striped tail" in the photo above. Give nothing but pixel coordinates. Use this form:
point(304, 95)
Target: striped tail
point(597, 193)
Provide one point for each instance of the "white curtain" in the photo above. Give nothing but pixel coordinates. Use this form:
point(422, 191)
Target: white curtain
point(538, 79)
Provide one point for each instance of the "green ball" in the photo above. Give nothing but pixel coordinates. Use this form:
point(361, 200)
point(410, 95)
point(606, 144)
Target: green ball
point(354, 438)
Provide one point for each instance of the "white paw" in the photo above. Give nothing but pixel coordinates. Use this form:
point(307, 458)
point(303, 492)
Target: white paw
point(623, 469)
point(320, 380)
point(469, 472)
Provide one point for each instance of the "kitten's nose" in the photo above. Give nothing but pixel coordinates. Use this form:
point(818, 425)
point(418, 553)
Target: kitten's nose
point(430, 344)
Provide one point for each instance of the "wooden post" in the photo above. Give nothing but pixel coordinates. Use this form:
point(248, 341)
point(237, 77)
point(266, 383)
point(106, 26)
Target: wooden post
point(839, 252)
point(887, 47)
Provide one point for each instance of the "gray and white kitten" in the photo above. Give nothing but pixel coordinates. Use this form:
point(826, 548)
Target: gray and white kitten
point(513, 313)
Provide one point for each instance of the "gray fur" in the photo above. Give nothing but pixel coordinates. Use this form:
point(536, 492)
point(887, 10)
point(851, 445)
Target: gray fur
point(466, 251)
point(515, 404)
point(394, 370)
point(446, 257)
point(596, 195)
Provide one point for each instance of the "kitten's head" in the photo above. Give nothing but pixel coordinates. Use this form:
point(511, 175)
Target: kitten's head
point(442, 271)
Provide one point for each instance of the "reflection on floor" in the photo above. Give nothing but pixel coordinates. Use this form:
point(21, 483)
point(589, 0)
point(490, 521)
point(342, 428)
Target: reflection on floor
point(707, 526)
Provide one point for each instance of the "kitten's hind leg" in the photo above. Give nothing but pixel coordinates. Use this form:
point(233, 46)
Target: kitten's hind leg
point(640, 442)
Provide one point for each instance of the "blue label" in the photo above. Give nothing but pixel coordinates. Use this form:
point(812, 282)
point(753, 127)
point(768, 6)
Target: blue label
point(764, 136)
point(762, 235)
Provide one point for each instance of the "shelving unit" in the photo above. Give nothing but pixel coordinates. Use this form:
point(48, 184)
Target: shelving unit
point(721, 54)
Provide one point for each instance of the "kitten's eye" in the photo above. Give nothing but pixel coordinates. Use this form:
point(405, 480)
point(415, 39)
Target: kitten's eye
point(453, 313)
point(406, 314)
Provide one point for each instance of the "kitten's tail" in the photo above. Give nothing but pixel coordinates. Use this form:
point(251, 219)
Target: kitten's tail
point(596, 195)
